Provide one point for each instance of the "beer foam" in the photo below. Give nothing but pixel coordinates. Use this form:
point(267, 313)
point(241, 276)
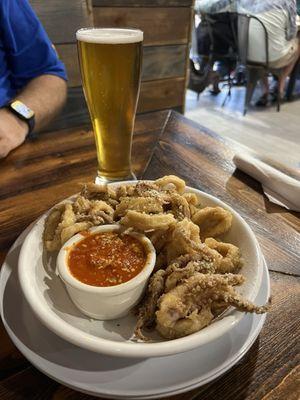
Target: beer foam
point(109, 35)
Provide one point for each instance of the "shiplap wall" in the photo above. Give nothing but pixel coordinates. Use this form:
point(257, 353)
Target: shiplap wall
point(166, 26)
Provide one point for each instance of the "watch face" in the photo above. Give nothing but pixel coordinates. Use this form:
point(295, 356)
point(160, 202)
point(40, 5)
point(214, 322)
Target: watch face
point(20, 108)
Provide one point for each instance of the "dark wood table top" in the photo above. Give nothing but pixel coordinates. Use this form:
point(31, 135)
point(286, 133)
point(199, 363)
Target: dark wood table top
point(41, 173)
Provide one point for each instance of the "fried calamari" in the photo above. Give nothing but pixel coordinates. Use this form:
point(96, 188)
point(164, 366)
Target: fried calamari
point(195, 271)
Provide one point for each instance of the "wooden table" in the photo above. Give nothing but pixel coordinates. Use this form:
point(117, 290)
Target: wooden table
point(40, 173)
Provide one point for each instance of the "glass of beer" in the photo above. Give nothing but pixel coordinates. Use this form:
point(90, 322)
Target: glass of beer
point(110, 62)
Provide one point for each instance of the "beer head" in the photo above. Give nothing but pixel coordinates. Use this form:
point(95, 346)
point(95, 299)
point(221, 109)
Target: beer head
point(109, 35)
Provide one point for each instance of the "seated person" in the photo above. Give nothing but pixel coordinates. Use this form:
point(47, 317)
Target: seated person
point(279, 19)
point(215, 34)
point(32, 78)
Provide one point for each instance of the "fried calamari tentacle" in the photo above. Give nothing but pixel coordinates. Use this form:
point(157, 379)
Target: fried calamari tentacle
point(92, 190)
point(185, 239)
point(141, 204)
point(146, 312)
point(170, 182)
point(145, 222)
point(81, 205)
point(96, 211)
point(231, 259)
point(176, 273)
point(187, 308)
point(125, 191)
point(213, 221)
point(179, 207)
point(233, 299)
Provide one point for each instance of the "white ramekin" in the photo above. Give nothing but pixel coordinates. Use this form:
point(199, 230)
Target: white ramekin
point(109, 302)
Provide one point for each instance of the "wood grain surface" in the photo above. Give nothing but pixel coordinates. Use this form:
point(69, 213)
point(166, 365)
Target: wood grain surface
point(161, 25)
point(143, 3)
point(41, 173)
point(161, 94)
point(62, 18)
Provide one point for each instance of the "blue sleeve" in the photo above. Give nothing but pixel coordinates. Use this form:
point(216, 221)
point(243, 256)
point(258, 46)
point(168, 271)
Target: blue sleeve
point(28, 49)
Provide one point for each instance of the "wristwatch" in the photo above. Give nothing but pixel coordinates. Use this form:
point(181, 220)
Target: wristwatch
point(23, 112)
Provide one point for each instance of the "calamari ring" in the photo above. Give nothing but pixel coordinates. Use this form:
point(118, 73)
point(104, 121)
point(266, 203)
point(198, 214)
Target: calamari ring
point(231, 259)
point(169, 181)
point(191, 198)
point(71, 230)
point(213, 221)
point(146, 222)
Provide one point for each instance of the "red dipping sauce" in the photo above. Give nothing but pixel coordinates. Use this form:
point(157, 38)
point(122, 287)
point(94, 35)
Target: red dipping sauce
point(106, 259)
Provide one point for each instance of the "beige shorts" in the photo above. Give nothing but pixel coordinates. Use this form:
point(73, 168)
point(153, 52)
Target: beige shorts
point(289, 58)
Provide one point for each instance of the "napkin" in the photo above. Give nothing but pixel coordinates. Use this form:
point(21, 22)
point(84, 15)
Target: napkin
point(279, 188)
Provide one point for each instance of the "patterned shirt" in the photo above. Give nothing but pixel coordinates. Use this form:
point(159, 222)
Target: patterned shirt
point(253, 7)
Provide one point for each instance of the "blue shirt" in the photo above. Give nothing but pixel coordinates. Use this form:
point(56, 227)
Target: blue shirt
point(25, 49)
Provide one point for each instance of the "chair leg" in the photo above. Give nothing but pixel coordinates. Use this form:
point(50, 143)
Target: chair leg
point(278, 99)
point(253, 76)
point(198, 96)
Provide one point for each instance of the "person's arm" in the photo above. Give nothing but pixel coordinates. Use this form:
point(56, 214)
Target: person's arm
point(45, 95)
point(35, 74)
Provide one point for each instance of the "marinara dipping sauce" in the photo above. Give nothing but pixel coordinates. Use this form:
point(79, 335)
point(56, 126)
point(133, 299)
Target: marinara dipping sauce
point(106, 258)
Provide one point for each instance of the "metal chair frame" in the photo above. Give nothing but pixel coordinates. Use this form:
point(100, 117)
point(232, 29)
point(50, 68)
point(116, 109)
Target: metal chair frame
point(255, 71)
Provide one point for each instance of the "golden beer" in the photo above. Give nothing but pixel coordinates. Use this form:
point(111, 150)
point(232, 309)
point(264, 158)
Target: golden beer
point(110, 62)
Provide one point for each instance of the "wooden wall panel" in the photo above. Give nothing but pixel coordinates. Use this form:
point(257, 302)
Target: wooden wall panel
point(168, 25)
point(68, 54)
point(159, 62)
point(143, 3)
point(75, 112)
point(61, 18)
point(161, 94)
point(163, 62)
point(154, 95)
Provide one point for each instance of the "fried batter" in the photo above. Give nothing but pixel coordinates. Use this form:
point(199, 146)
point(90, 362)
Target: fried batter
point(231, 259)
point(187, 308)
point(146, 314)
point(185, 239)
point(146, 205)
point(170, 182)
point(177, 273)
point(145, 222)
point(213, 221)
point(179, 207)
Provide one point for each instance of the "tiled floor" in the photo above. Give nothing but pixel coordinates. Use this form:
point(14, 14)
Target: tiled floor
point(266, 131)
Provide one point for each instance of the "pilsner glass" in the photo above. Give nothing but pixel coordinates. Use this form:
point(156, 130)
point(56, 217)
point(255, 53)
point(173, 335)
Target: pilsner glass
point(110, 63)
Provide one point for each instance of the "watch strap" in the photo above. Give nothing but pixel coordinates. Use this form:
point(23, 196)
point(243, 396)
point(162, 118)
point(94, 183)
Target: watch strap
point(30, 121)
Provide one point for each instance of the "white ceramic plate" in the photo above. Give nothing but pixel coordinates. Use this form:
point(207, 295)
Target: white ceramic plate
point(49, 300)
point(112, 377)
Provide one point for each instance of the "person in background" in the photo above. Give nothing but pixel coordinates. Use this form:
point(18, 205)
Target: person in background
point(215, 34)
point(279, 18)
point(32, 78)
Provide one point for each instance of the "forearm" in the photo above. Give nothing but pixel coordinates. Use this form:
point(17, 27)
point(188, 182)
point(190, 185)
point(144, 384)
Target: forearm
point(45, 95)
